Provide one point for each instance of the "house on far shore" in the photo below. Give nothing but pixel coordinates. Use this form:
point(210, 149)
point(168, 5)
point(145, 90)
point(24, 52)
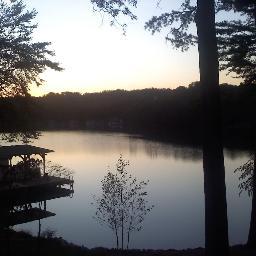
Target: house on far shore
point(23, 167)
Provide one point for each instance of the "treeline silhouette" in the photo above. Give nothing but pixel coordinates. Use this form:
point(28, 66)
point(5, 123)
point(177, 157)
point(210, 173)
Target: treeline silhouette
point(172, 112)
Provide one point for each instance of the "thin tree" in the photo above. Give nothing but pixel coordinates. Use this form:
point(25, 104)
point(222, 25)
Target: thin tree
point(123, 204)
point(137, 207)
point(134, 204)
point(107, 206)
point(203, 14)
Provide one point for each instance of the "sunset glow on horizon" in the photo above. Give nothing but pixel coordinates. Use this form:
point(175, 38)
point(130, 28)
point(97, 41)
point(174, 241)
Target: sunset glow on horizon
point(97, 57)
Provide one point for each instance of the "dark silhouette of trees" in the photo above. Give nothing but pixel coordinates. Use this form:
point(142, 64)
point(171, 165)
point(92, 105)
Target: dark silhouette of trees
point(237, 40)
point(252, 232)
point(244, 6)
point(123, 204)
point(248, 184)
point(21, 59)
point(246, 177)
point(167, 114)
point(203, 14)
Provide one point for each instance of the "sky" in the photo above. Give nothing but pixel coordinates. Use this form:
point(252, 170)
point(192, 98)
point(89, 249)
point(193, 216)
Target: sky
point(97, 57)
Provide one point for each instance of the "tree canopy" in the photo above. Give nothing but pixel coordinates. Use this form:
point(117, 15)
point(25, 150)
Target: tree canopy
point(237, 49)
point(247, 7)
point(236, 38)
point(21, 59)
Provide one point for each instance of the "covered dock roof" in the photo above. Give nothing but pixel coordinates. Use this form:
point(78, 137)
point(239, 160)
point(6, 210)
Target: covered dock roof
point(7, 152)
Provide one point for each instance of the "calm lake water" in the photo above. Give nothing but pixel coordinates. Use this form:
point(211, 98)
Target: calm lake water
point(175, 188)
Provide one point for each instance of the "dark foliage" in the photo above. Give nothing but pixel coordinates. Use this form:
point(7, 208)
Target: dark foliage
point(21, 59)
point(246, 177)
point(247, 7)
point(174, 112)
point(20, 243)
point(178, 22)
point(237, 40)
point(116, 8)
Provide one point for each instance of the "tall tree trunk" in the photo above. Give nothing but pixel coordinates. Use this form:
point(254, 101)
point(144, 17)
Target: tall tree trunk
point(122, 221)
point(128, 239)
point(216, 223)
point(122, 229)
point(39, 237)
point(117, 239)
point(252, 232)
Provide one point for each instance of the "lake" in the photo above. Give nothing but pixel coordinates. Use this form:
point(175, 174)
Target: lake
point(175, 188)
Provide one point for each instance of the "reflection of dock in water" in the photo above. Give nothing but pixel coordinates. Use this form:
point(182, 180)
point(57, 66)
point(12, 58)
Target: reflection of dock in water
point(28, 215)
point(36, 185)
point(19, 209)
point(20, 198)
point(26, 186)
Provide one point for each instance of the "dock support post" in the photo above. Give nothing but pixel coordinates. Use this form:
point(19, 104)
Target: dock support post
point(43, 156)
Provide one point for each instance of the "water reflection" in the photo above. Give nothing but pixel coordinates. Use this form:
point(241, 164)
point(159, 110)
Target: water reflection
point(236, 153)
point(107, 143)
point(175, 188)
point(20, 207)
point(27, 182)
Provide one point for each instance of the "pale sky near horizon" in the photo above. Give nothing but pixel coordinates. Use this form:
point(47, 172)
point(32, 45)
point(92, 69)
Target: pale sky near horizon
point(97, 57)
